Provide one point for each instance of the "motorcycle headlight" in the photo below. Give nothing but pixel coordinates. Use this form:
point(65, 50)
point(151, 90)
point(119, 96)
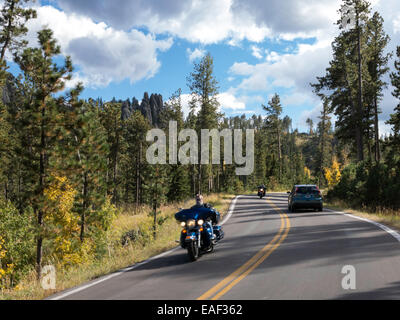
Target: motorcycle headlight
point(200, 222)
point(191, 223)
point(183, 224)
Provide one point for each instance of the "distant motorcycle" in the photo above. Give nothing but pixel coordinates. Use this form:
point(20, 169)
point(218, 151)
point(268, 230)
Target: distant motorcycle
point(198, 236)
point(261, 192)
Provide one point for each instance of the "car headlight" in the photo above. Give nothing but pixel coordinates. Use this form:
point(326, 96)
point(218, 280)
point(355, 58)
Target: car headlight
point(183, 224)
point(191, 223)
point(200, 222)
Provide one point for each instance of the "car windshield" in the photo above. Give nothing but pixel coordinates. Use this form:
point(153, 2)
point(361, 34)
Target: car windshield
point(307, 190)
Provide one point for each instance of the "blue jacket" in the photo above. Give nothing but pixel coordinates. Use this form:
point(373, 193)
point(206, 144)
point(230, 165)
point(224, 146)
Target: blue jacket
point(198, 212)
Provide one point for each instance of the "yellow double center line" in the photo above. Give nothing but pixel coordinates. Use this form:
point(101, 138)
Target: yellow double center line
point(234, 278)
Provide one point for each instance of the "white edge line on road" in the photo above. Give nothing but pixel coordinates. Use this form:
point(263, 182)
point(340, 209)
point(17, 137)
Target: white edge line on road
point(392, 232)
point(115, 274)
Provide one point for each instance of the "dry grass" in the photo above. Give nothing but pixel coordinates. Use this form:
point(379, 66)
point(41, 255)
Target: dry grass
point(119, 256)
point(385, 216)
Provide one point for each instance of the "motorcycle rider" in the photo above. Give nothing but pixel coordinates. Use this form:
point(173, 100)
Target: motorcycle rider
point(262, 187)
point(207, 213)
point(203, 211)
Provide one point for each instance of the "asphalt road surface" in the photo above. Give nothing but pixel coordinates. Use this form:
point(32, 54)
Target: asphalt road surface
point(268, 253)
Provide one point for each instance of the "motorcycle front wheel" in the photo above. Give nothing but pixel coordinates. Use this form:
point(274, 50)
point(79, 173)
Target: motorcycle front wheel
point(193, 251)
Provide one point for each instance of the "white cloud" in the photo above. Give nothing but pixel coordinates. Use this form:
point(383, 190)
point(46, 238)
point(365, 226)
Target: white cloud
point(384, 129)
point(285, 71)
point(102, 53)
point(185, 99)
point(313, 114)
point(210, 21)
point(396, 24)
point(297, 99)
point(293, 71)
point(228, 101)
point(203, 21)
point(256, 52)
point(272, 56)
point(195, 54)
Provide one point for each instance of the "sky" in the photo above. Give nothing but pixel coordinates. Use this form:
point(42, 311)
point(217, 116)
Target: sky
point(123, 48)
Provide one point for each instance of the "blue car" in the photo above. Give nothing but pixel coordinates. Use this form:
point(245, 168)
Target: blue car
point(305, 196)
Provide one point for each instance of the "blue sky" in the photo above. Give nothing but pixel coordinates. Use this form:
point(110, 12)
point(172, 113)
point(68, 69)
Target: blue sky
point(123, 48)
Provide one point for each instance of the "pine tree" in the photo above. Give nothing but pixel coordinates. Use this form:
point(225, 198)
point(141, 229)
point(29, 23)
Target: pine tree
point(83, 157)
point(204, 91)
point(361, 9)
point(4, 147)
point(38, 121)
point(377, 67)
point(346, 77)
point(260, 149)
point(132, 157)
point(394, 121)
point(179, 185)
point(274, 124)
point(324, 127)
point(111, 119)
point(310, 124)
point(13, 17)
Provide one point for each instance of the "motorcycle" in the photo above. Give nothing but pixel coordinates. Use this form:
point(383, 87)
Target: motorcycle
point(199, 236)
point(261, 192)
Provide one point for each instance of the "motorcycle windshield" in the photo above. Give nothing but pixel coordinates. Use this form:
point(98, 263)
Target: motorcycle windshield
point(197, 213)
point(187, 214)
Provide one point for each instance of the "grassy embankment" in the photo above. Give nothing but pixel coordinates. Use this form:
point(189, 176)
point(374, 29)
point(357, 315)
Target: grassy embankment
point(388, 217)
point(120, 256)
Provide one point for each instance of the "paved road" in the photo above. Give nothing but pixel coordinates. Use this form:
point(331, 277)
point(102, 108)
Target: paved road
point(268, 253)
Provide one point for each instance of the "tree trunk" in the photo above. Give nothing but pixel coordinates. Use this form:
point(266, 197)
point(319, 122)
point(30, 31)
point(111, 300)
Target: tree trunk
point(138, 176)
point(322, 150)
point(193, 179)
point(368, 128)
point(360, 115)
point(199, 178)
point(354, 114)
point(376, 125)
point(279, 153)
point(8, 36)
point(84, 207)
point(155, 218)
point(5, 191)
point(40, 195)
point(39, 256)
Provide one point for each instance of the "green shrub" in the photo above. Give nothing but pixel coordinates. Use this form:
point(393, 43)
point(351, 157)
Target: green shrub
point(369, 185)
point(18, 243)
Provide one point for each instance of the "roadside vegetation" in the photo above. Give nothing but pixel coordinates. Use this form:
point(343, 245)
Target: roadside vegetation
point(388, 217)
point(129, 239)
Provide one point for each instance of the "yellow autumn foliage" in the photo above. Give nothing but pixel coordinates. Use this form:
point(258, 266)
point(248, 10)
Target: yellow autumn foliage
point(60, 196)
point(307, 173)
point(69, 255)
point(8, 268)
point(2, 249)
point(2, 255)
point(332, 174)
